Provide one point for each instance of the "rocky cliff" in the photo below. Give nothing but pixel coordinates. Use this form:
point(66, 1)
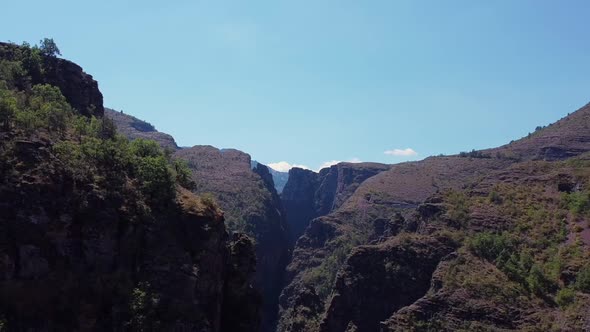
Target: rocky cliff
point(251, 205)
point(308, 195)
point(246, 195)
point(454, 243)
point(97, 233)
point(134, 128)
point(79, 88)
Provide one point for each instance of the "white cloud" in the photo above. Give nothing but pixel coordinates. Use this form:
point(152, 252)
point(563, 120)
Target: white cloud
point(283, 166)
point(401, 152)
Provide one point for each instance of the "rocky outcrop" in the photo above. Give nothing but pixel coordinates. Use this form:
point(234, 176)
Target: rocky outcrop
point(308, 195)
point(446, 307)
point(75, 258)
point(133, 128)
point(79, 88)
point(251, 205)
point(241, 302)
point(298, 199)
point(378, 280)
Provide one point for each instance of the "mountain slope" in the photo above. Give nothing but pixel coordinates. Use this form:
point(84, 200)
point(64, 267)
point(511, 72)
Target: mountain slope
point(452, 199)
point(133, 128)
point(308, 195)
point(251, 205)
point(96, 232)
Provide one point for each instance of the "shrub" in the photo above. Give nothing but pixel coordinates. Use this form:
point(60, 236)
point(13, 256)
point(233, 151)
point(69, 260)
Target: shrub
point(457, 207)
point(565, 297)
point(577, 202)
point(209, 200)
point(538, 283)
point(490, 246)
point(583, 280)
point(495, 197)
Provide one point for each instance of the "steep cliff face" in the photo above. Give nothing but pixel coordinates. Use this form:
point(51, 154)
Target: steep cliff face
point(134, 128)
point(100, 265)
point(298, 199)
point(79, 88)
point(96, 233)
point(247, 196)
point(378, 280)
point(251, 205)
point(308, 195)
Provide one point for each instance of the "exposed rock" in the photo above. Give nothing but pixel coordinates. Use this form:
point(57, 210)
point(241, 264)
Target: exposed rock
point(79, 88)
point(378, 280)
point(447, 307)
point(241, 302)
point(133, 128)
point(101, 266)
point(308, 195)
point(251, 205)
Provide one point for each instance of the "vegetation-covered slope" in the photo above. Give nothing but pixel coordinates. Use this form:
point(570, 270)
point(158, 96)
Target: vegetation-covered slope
point(97, 233)
point(246, 195)
point(251, 205)
point(134, 128)
point(517, 231)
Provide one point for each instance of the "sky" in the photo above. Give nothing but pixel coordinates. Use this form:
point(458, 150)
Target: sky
point(314, 82)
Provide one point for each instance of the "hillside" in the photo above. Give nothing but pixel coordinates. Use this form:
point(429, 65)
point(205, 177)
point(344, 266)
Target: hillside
point(515, 232)
point(246, 195)
point(308, 195)
point(134, 128)
point(107, 225)
point(97, 232)
point(251, 205)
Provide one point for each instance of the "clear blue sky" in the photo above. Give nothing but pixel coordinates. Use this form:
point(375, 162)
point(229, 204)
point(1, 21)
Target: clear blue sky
point(313, 81)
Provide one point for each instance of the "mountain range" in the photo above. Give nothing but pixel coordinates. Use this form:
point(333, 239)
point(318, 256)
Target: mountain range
point(107, 224)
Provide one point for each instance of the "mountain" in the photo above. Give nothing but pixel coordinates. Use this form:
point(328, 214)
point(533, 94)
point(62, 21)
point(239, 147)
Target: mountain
point(106, 224)
point(246, 194)
point(251, 205)
point(133, 128)
point(452, 243)
point(308, 194)
point(100, 233)
point(279, 178)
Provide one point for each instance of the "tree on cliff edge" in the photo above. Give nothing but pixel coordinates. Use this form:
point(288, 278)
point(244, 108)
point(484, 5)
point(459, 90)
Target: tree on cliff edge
point(48, 47)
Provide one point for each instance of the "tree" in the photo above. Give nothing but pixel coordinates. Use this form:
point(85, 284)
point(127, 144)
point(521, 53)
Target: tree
point(7, 109)
point(48, 47)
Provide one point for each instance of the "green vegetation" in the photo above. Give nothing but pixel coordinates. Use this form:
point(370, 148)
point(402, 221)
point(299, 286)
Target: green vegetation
point(458, 207)
point(323, 276)
point(475, 154)
point(583, 280)
point(48, 47)
point(577, 203)
point(565, 297)
point(491, 246)
point(510, 258)
point(142, 307)
point(87, 148)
